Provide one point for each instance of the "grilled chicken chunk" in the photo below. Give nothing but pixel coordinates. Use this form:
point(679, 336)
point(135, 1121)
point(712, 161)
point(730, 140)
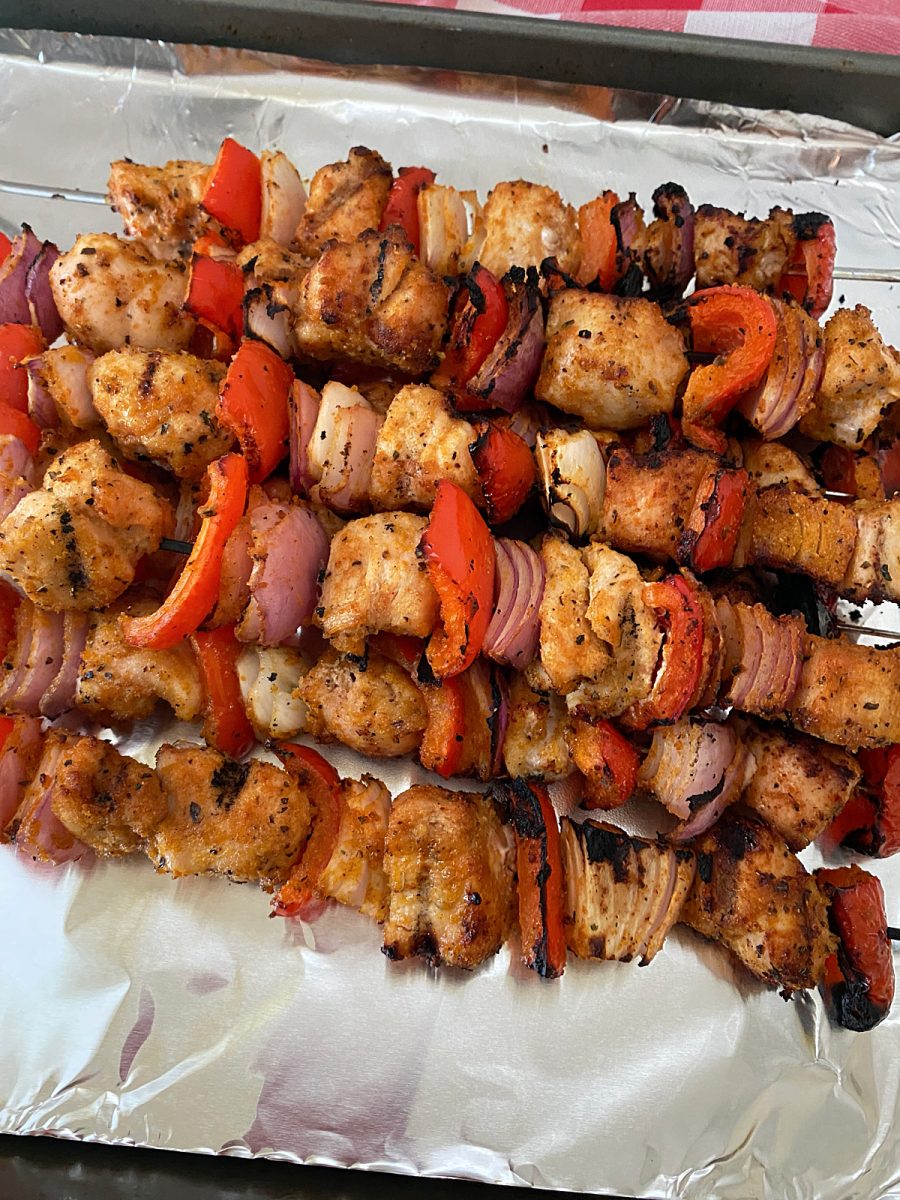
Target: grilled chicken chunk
point(614, 362)
point(419, 444)
point(524, 223)
point(75, 544)
point(449, 868)
point(369, 704)
point(874, 570)
point(345, 199)
point(535, 746)
point(860, 382)
point(246, 820)
point(159, 205)
point(756, 898)
point(162, 407)
point(374, 581)
point(354, 875)
point(124, 683)
point(570, 649)
point(112, 293)
point(789, 530)
point(729, 248)
point(269, 677)
point(848, 694)
point(372, 301)
point(63, 374)
point(109, 801)
point(799, 785)
point(623, 893)
point(770, 463)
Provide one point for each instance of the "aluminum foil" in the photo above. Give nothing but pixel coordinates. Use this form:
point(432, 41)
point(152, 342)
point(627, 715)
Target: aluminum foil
point(146, 1011)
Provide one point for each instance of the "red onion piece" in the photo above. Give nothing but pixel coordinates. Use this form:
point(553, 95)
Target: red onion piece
point(686, 765)
point(60, 695)
point(528, 421)
point(41, 664)
point(11, 493)
point(665, 900)
point(40, 295)
point(41, 408)
point(732, 786)
point(512, 635)
point(670, 271)
point(763, 657)
point(508, 373)
point(751, 662)
point(627, 219)
point(268, 320)
point(14, 306)
point(283, 197)
point(787, 389)
point(59, 390)
point(39, 832)
point(18, 760)
point(17, 654)
point(290, 549)
point(304, 409)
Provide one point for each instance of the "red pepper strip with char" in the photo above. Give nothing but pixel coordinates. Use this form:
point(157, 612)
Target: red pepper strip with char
point(216, 293)
point(681, 663)
point(540, 874)
point(809, 276)
point(20, 425)
point(480, 315)
point(9, 602)
point(738, 325)
point(459, 551)
point(859, 979)
point(5, 246)
point(505, 469)
point(870, 821)
point(197, 588)
point(711, 534)
point(225, 725)
point(17, 342)
point(599, 245)
point(296, 897)
point(402, 206)
point(233, 192)
point(608, 762)
point(253, 404)
point(442, 742)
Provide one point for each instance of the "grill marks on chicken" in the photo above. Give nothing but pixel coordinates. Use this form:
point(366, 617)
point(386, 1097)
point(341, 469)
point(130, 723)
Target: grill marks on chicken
point(756, 898)
point(160, 206)
point(75, 543)
point(345, 199)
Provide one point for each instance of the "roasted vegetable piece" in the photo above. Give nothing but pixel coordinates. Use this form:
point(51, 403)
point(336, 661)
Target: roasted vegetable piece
point(402, 203)
point(713, 528)
point(253, 404)
point(225, 725)
point(810, 270)
point(505, 467)
point(442, 742)
point(216, 293)
point(480, 314)
point(679, 671)
point(607, 760)
point(17, 342)
point(296, 897)
point(599, 245)
point(870, 821)
point(233, 193)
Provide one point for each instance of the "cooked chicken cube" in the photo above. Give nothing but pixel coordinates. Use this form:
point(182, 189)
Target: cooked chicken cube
point(623, 893)
point(729, 248)
point(860, 382)
point(112, 293)
point(123, 683)
point(874, 570)
point(800, 784)
point(770, 463)
point(789, 530)
point(374, 302)
point(449, 867)
point(159, 205)
point(162, 407)
point(246, 820)
point(354, 875)
point(525, 223)
point(848, 694)
point(269, 677)
point(109, 801)
point(345, 199)
point(375, 581)
point(535, 745)
point(75, 544)
point(368, 704)
point(570, 649)
point(420, 443)
point(755, 897)
point(614, 362)
point(63, 374)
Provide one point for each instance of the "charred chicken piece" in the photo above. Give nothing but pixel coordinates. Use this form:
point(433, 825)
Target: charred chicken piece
point(756, 898)
point(345, 199)
point(524, 223)
point(449, 864)
point(624, 893)
point(248, 821)
point(160, 206)
point(848, 694)
point(76, 542)
point(729, 248)
point(788, 530)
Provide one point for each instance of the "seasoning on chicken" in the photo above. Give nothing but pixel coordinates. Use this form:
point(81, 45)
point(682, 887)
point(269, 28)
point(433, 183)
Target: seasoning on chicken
point(354, 875)
point(449, 864)
point(374, 302)
point(729, 248)
point(524, 223)
point(109, 801)
point(790, 530)
point(62, 375)
point(162, 407)
point(614, 362)
point(124, 683)
point(756, 898)
point(848, 694)
point(375, 581)
point(112, 293)
point(369, 704)
point(860, 383)
point(771, 463)
point(75, 543)
point(345, 199)
point(246, 820)
point(623, 893)
point(535, 745)
point(268, 677)
point(420, 443)
point(159, 205)
point(570, 648)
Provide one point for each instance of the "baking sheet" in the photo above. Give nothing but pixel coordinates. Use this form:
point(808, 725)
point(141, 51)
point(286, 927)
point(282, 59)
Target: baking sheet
point(149, 1011)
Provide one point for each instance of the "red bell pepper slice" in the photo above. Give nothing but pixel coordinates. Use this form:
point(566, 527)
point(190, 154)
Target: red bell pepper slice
point(738, 325)
point(225, 725)
point(442, 742)
point(599, 245)
point(253, 404)
point(197, 587)
point(297, 896)
point(7, 725)
point(870, 820)
point(5, 246)
point(480, 315)
point(209, 341)
point(233, 192)
point(809, 276)
point(402, 206)
point(859, 979)
point(719, 505)
point(20, 425)
point(216, 293)
point(459, 551)
point(539, 868)
point(17, 342)
point(679, 672)
point(505, 467)
point(608, 762)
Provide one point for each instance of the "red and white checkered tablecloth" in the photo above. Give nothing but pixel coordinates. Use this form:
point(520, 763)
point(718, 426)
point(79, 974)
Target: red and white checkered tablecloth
point(872, 25)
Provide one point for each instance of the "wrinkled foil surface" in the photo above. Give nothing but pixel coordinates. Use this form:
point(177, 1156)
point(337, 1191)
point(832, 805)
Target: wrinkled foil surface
point(147, 1011)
